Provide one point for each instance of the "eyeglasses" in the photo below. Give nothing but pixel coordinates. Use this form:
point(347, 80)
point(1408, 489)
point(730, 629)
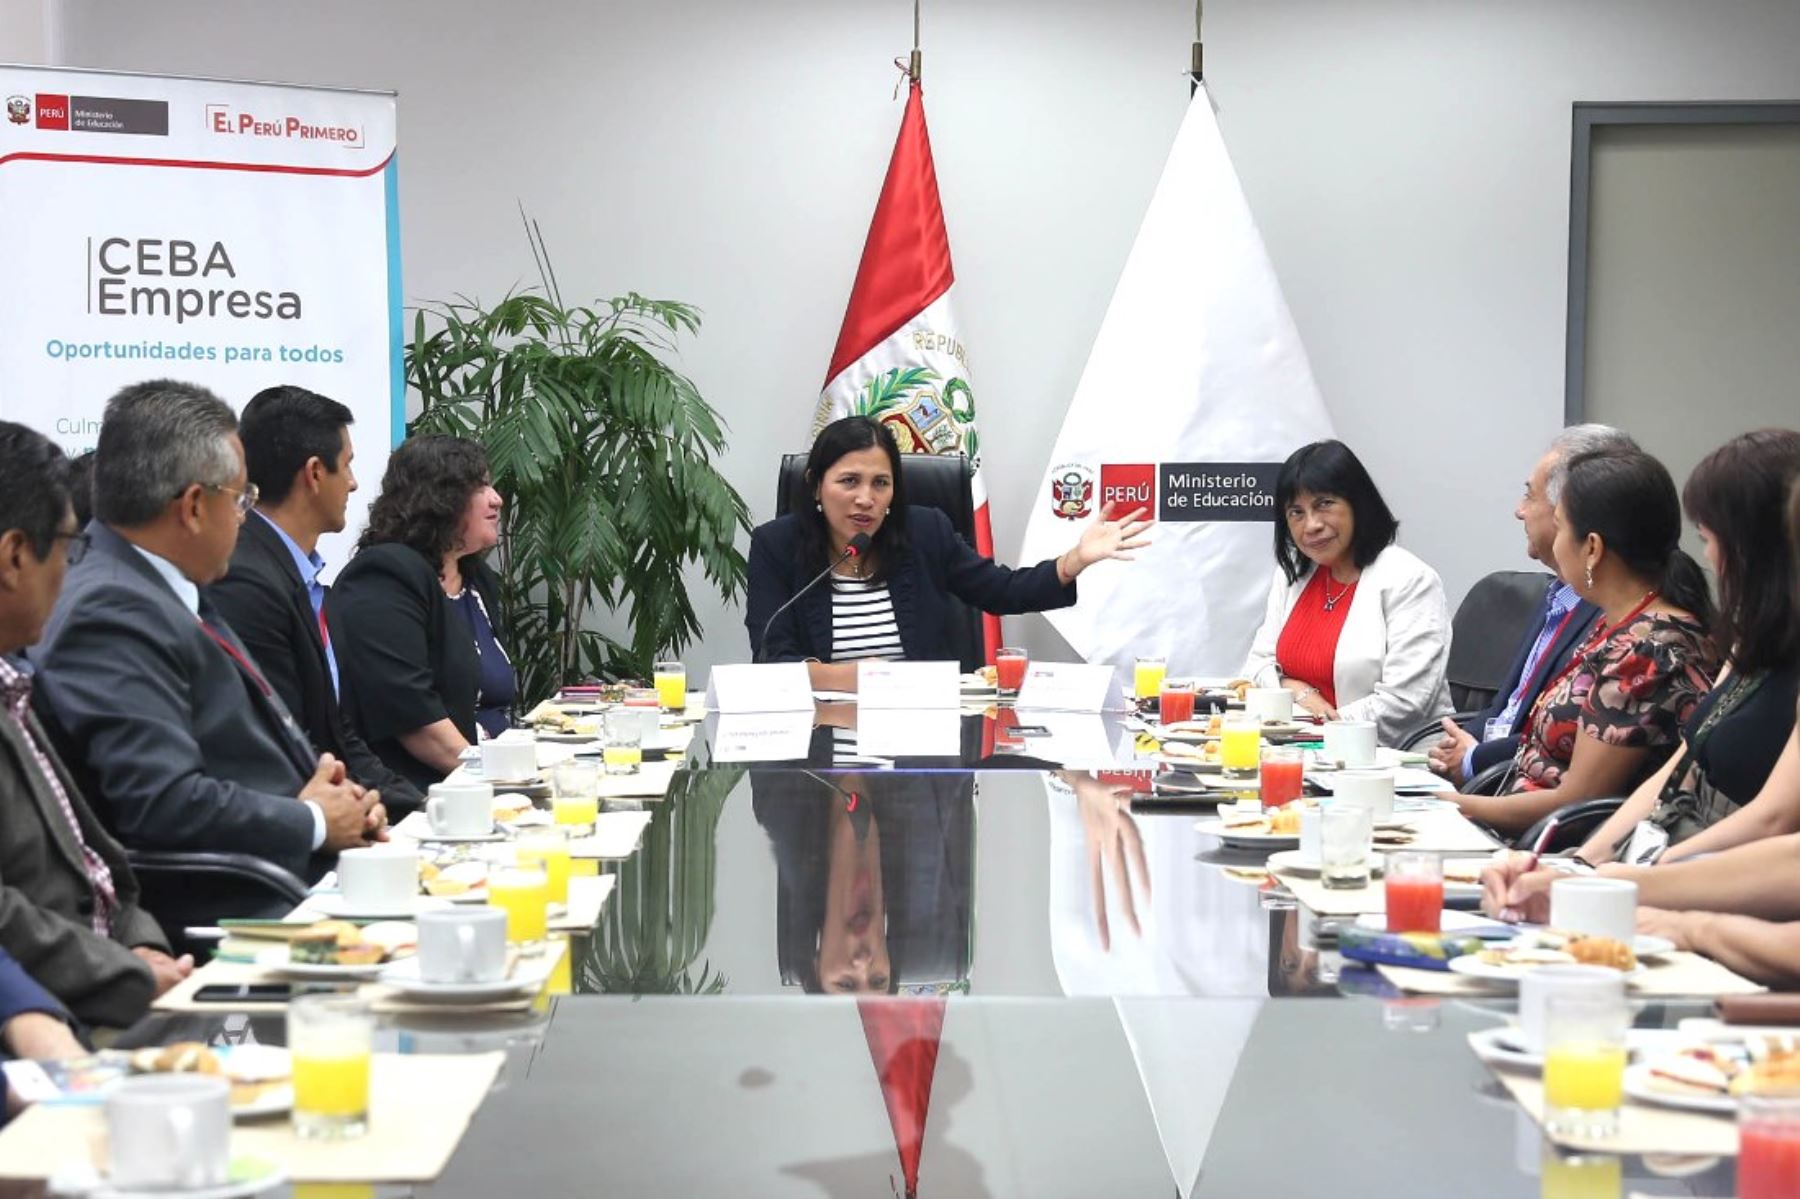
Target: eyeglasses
point(246, 499)
point(78, 544)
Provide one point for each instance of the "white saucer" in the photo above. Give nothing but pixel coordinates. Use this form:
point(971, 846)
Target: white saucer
point(334, 905)
point(1247, 840)
point(1503, 1046)
point(1292, 861)
point(403, 976)
point(84, 1180)
point(461, 838)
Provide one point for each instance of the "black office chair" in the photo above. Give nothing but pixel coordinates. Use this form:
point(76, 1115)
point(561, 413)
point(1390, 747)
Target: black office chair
point(1575, 823)
point(941, 481)
point(1485, 634)
point(184, 888)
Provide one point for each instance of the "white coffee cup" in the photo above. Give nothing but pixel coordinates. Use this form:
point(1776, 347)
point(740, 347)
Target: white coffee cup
point(1269, 703)
point(1599, 907)
point(1350, 743)
point(509, 759)
point(460, 809)
point(1373, 789)
point(379, 878)
point(462, 945)
point(1538, 985)
point(168, 1131)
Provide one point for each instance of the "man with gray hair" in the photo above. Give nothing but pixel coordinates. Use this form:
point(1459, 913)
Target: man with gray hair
point(1492, 735)
point(184, 743)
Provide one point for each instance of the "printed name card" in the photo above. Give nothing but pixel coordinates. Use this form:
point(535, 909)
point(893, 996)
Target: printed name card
point(908, 685)
point(777, 687)
point(1066, 686)
point(762, 737)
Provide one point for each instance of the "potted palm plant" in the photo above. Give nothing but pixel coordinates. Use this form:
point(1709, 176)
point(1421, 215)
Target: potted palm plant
point(604, 453)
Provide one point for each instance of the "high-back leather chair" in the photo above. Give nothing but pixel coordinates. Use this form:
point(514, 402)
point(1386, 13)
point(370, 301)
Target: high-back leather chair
point(941, 481)
point(1486, 632)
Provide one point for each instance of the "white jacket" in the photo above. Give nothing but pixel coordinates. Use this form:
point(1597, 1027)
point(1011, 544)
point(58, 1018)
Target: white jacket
point(1393, 650)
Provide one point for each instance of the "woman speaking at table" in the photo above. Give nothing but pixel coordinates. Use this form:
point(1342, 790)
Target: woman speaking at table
point(1356, 627)
point(888, 600)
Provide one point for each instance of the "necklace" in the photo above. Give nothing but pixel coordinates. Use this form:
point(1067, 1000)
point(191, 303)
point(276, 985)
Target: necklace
point(1332, 601)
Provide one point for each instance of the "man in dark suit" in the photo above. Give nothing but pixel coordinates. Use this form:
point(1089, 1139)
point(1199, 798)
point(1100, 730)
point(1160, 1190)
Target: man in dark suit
point(185, 741)
point(1565, 621)
point(297, 453)
point(68, 902)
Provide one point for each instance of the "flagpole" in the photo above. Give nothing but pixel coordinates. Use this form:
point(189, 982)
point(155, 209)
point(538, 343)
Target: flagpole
point(915, 63)
point(1196, 67)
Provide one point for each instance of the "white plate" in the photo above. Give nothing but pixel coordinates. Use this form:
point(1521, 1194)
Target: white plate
point(1210, 766)
point(461, 838)
point(272, 1102)
point(1638, 1086)
point(1291, 861)
point(320, 972)
point(1647, 946)
point(87, 1181)
point(1503, 1046)
point(403, 976)
point(1471, 966)
point(1247, 840)
point(334, 905)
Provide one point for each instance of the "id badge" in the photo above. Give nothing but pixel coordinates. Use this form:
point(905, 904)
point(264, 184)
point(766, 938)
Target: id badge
point(1647, 843)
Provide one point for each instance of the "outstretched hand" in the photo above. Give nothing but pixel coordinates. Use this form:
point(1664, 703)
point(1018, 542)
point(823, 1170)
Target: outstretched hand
point(1109, 538)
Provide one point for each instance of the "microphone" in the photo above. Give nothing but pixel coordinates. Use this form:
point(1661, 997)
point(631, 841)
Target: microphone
point(859, 545)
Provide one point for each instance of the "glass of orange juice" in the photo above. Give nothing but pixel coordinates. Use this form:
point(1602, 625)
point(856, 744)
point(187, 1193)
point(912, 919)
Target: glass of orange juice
point(524, 895)
point(1240, 747)
point(331, 1039)
point(671, 686)
point(577, 803)
point(1147, 677)
point(547, 849)
point(1584, 1063)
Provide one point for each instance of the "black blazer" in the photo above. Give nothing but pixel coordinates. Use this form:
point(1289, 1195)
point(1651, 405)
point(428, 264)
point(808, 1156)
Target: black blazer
point(1574, 634)
point(938, 564)
point(168, 735)
point(266, 602)
point(406, 656)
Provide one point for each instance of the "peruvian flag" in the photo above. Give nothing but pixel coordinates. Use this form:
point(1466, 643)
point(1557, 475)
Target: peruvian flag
point(900, 356)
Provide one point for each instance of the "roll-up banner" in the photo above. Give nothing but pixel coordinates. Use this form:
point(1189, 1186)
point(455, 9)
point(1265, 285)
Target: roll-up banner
point(236, 235)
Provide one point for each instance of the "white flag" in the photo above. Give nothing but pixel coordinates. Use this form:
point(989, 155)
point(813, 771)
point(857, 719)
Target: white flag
point(1197, 389)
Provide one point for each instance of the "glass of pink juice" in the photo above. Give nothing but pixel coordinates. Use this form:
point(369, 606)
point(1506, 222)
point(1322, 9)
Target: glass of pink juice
point(1009, 670)
point(1415, 892)
point(1176, 703)
point(1768, 1146)
point(1282, 773)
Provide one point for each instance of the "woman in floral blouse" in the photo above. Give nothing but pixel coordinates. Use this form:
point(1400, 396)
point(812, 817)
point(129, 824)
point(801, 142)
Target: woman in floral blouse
point(1613, 717)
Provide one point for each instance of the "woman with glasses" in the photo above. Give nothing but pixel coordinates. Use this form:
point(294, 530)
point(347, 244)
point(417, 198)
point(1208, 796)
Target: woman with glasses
point(415, 614)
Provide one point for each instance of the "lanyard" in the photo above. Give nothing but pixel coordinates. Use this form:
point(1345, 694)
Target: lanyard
point(1543, 661)
point(237, 656)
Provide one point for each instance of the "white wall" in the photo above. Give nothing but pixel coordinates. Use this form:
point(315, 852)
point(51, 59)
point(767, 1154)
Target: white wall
point(1408, 161)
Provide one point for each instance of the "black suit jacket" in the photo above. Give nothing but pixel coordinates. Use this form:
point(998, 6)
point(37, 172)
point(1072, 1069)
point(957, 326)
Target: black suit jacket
point(1572, 637)
point(170, 736)
point(937, 565)
point(266, 603)
point(406, 656)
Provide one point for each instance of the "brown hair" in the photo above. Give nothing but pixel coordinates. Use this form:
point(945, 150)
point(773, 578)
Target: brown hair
point(1737, 492)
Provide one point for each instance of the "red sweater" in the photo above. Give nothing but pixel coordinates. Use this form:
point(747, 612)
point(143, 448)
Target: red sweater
point(1307, 648)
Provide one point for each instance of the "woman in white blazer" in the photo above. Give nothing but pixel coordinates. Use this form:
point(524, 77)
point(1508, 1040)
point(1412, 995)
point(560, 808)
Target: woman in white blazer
point(1356, 627)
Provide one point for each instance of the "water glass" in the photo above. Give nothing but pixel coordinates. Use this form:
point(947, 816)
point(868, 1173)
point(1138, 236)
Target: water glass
point(622, 741)
point(1584, 1063)
point(331, 1038)
point(1346, 833)
point(577, 803)
point(671, 686)
point(1769, 1146)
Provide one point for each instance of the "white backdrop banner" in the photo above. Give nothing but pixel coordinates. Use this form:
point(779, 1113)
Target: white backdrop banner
point(229, 234)
point(1196, 390)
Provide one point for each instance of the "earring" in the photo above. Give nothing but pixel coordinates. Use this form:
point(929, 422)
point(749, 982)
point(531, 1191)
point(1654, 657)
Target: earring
point(819, 506)
point(1590, 576)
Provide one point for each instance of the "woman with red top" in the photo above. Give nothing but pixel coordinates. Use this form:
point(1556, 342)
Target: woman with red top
point(1615, 714)
point(1356, 627)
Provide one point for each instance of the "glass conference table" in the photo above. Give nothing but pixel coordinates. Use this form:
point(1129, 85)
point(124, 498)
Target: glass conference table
point(804, 965)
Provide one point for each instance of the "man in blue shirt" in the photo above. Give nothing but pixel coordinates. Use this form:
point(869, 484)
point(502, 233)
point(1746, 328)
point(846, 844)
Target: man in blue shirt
point(1564, 622)
point(297, 454)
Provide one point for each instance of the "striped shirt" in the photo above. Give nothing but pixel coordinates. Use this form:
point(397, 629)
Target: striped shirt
point(862, 621)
